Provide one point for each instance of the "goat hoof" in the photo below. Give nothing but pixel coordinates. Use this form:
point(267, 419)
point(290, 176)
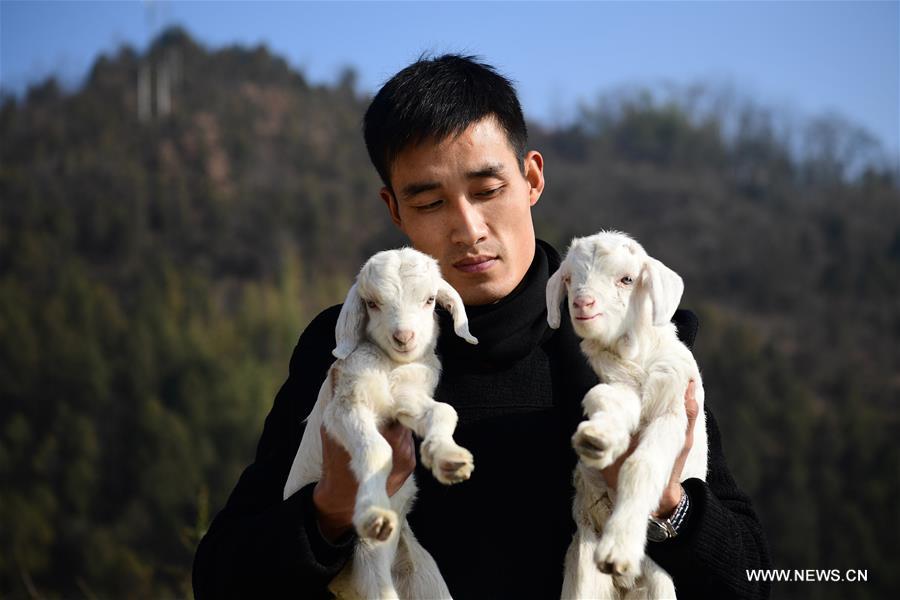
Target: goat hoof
point(448, 462)
point(590, 447)
point(598, 445)
point(454, 472)
point(618, 559)
point(615, 568)
point(377, 524)
point(453, 464)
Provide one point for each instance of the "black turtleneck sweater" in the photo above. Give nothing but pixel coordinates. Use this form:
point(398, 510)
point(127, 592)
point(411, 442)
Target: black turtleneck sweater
point(504, 532)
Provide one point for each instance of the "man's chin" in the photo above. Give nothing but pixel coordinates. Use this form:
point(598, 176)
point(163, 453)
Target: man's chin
point(482, 289)
point(477, 295)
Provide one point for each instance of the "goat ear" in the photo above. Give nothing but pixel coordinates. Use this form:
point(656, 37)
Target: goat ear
point(350, 325)
point(450, 299)
point(665, 287)
point(556, 291)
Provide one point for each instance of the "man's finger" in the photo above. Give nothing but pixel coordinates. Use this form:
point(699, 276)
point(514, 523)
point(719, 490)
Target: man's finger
point(396, 434)
point(690, 401)
point(326, 441)
point(691, 408)
point(331, 446)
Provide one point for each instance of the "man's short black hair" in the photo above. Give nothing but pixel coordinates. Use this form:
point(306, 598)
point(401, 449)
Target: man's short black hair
point(435, 98)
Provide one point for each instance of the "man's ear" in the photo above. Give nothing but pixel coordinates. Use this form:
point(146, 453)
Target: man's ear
point(391, 201)
point(534, 175)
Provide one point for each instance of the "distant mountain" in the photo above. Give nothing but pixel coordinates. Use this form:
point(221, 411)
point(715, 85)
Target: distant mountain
point(167, 231)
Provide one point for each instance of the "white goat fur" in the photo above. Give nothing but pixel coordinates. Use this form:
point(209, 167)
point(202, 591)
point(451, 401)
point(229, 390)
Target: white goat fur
point(644, 372)
point(387, 370)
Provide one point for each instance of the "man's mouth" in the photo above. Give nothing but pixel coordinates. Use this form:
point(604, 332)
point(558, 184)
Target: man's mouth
point(475, 264)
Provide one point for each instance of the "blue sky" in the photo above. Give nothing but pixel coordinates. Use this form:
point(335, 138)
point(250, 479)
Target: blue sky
point(807, 58)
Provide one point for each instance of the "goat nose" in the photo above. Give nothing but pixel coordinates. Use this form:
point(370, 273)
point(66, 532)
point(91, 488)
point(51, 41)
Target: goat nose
point(404, 336)
point(583, 301)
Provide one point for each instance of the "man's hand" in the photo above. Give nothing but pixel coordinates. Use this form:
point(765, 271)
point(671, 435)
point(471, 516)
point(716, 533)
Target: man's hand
point(672, 494)
point(335, 494)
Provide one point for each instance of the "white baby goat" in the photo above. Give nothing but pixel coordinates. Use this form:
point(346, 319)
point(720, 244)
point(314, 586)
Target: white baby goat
point(621, 302)
point(387, 370)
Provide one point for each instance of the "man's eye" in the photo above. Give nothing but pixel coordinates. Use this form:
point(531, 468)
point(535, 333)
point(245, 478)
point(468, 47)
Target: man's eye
point(627, 280)
point(489, 193)
point(430, 206)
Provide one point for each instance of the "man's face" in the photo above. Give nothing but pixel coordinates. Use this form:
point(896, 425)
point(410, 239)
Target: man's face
point(465, 201)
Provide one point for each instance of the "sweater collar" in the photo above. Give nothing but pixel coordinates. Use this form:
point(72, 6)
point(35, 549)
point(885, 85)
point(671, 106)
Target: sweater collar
point(511, 328)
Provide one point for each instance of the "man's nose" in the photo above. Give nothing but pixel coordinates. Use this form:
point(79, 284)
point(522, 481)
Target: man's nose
point(468, 226)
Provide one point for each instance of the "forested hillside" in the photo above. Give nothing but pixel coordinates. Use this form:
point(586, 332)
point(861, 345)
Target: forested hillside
point(161, 252)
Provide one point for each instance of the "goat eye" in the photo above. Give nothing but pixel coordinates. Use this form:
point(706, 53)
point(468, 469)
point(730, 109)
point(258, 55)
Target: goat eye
point(627, 280)
point(372, 304)
point(567, 279)
point(430, 300)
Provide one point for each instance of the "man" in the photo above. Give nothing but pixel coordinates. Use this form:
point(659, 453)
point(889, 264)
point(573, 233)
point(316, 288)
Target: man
point(448, 139)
